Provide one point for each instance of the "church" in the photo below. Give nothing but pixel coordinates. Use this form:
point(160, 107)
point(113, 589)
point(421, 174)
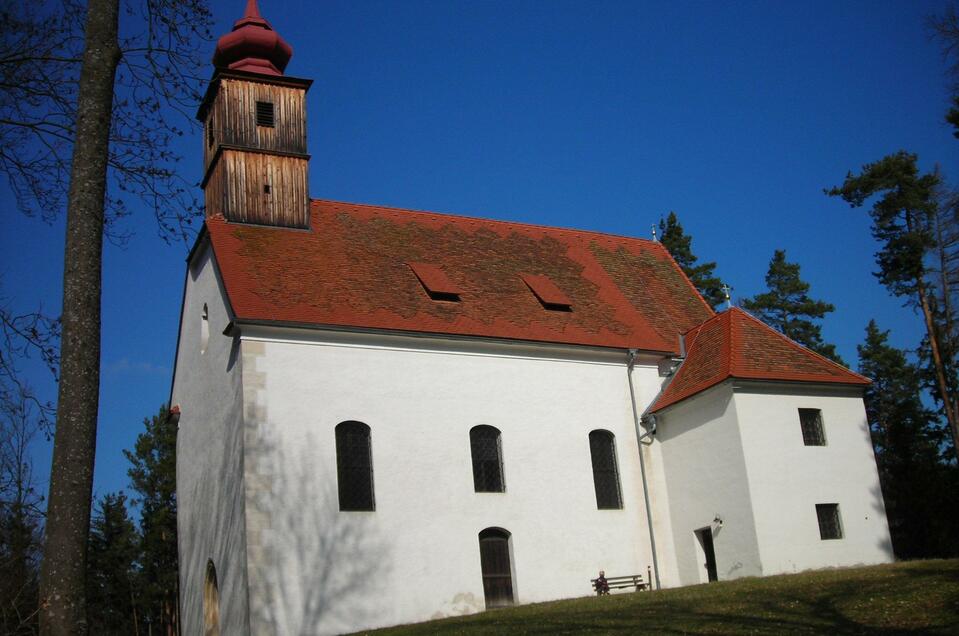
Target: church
point(387, 416)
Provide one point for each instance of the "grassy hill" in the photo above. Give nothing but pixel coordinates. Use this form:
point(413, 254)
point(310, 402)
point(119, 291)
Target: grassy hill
point(917, 597)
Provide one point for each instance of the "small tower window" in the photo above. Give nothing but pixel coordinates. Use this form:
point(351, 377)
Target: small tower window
point(264, 114)
point(266, 188)
point(209, 131)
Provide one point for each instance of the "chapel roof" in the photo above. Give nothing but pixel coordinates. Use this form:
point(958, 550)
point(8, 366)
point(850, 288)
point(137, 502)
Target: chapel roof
point(370, 267)
point(734, 344)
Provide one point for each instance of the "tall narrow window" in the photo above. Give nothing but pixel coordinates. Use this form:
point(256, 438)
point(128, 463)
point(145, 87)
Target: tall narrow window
point(602, 448)
point(495, 562)
point(830, 526)
point(812, 430)
point(204, 329)
point(487, 453)
point(354, 466)
point(264, 114)
point(209, 131)
point(211, 602)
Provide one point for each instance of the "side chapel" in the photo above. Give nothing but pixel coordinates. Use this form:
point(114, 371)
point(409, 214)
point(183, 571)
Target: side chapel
point(387, 415)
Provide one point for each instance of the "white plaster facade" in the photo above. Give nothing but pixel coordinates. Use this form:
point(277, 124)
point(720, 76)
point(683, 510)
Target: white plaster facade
point(736, 452)
point(257, 473)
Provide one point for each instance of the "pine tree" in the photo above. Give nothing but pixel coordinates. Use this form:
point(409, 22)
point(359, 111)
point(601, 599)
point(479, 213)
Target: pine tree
point(920, 491)
point(153, 478)
point(679, 245)
point(904, 217)
point(788, 308)
point(112, 552)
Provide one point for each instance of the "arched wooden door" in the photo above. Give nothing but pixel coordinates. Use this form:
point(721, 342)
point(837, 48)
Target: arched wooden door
point(495, 562)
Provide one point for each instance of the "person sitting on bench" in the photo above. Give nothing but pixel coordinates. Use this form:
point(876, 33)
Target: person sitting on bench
point(602, 587)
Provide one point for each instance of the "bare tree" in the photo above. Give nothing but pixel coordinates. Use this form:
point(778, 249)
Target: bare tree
point(20, 517)
point(86, 118)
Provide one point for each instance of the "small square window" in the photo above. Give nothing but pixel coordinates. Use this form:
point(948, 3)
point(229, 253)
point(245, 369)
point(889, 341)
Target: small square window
point(264, 114)
point(830, 527)
point(812, 429)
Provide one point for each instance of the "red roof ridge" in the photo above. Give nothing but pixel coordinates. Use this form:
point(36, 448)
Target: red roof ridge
point(798, 346)
point(467, 217)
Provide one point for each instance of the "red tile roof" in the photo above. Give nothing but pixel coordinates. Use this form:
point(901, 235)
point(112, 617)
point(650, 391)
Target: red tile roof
point(352, 270)
point(434, 278)
point(546, 290)
point(735, 344)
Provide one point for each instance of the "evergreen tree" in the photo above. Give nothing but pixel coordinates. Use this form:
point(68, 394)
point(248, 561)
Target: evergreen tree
point(112, 552)
point(904, 221)
point(788, 308)
point(679, 244)
point(920, 491)
point(153, 478)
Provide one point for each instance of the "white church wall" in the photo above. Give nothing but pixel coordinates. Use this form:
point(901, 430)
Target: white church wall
point(209, 455)
point(648, 383)
point(705, 474)
point(417, 556)
point(787, 479)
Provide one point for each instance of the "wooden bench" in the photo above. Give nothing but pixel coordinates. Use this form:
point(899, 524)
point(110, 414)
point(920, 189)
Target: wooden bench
point(621, 582)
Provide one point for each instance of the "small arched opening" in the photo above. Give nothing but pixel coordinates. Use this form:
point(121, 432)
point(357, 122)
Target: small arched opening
point(211, 602)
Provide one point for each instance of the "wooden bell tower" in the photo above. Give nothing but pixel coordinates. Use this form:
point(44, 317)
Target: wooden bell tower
point(254, 120)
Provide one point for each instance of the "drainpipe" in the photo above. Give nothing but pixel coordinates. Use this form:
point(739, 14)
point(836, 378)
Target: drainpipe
point(640, 436)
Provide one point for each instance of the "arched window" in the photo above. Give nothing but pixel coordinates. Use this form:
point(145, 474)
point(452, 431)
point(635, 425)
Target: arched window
point(602, 448)
point(487, 455)
point(495, 562)
point(354, 466)
point(211, 602)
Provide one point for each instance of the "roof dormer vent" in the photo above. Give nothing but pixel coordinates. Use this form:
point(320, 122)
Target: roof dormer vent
point(436, 283)
point(547, 293)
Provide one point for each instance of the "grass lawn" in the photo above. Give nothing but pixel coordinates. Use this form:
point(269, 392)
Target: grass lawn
point(914, 597)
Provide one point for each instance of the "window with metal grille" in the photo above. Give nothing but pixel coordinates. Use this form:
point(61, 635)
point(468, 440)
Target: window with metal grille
point(487, 453)
point(354, 466)
point(495, 563)
point(602, 448)
point(830, 526)
point(264, 114)
point(812, 429)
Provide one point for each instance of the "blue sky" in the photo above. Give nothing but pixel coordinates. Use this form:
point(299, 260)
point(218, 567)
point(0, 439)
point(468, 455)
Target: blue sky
point(596, 115)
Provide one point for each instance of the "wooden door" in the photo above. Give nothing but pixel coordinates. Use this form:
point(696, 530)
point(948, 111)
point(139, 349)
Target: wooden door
point(706, 540)
point(495, 563)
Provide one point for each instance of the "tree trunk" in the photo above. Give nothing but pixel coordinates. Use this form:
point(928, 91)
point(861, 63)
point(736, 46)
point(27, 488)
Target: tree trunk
point(71, 476)
point(947, 404)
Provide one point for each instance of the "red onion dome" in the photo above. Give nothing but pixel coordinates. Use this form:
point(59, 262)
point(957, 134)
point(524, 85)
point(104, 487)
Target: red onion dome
point(253, 46)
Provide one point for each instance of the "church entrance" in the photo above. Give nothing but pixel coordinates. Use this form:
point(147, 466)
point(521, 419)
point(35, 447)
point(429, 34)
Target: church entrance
point(495, 562)
point(705, 537)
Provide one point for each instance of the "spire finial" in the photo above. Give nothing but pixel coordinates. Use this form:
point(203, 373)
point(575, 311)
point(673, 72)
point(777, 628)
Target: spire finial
point(252, 11)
